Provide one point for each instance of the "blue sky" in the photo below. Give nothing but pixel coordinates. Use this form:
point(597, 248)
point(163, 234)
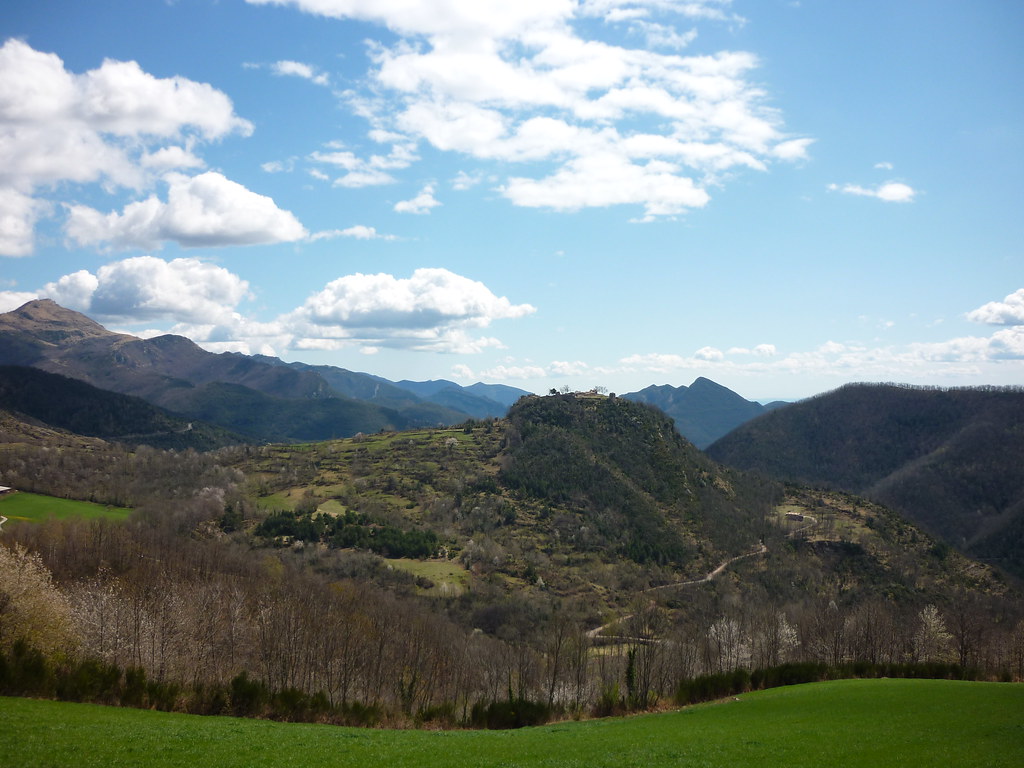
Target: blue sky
point(780, 196)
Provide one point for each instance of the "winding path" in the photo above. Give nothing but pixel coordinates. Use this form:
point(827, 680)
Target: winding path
point(595, 634)
point(713, 574)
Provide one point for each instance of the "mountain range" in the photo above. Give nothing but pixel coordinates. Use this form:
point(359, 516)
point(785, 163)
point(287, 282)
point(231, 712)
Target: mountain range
point(258, 397)
point(263, 398)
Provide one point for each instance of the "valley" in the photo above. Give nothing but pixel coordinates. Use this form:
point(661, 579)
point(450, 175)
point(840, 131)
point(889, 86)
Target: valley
point(574, 556)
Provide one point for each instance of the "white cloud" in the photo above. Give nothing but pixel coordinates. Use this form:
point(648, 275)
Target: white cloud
point(367, 172)
point(420, 204)
point(884, 166)
point(279, 166)
point(359, 232)
point(146, 288)
point(794, 149)
point(434, 309)
point(11, 300)
point(889, 192)
point(18, 215)
point(961, 357)
point(463, 371)
point(661, 36)
point(694, 9)
point(1009, 311)
point(204, 210)
point(170, 158)
point(115, 124)
point(299, 69)
point(657, 362)
point(603, 180)
point(75, 290)
point(520, 83)
point(464, 181)
point(709, 353)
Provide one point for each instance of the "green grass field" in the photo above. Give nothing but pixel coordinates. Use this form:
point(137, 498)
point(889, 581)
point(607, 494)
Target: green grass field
point(843, 723)
point(450, 578)
point(36, 508)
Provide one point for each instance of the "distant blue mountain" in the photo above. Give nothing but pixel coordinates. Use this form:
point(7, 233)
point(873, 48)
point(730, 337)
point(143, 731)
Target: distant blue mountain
point(481, 401)
point(704, 411)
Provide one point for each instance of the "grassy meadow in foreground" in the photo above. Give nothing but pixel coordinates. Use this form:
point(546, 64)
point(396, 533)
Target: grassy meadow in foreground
point(36, 508)
point(842, 723)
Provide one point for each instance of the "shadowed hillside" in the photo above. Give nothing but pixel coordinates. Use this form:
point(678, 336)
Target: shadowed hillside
point(952, 460)
point(75, 406)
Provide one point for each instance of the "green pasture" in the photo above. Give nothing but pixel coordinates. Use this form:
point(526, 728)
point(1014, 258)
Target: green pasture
point(844, 723)
point(36, 508)
point(449, 577)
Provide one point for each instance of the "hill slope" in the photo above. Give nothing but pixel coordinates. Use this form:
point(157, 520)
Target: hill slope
point(72, 405)
point(641, 483)
point(951, 460)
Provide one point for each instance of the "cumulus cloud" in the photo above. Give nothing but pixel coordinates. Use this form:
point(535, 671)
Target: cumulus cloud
point(434, 309)
point(889, 192)
point(115, 124)
point(420, 204)
point(203, 210)
point(147, 288)
point(601, 124)
point(1009, 311)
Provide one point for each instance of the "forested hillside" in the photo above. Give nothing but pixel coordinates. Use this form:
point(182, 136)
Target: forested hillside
point(75, 406)
point(951, 460)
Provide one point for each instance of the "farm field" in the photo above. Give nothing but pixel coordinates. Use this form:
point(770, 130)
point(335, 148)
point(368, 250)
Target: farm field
point(842, 723)
point(36, 508)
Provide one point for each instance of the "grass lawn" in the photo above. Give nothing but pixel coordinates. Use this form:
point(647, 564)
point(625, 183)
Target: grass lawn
point(844, 723)
point(36, 508)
